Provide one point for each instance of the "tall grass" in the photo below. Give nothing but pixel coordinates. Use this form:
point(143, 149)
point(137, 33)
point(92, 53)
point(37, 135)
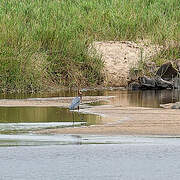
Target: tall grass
point(44, 43)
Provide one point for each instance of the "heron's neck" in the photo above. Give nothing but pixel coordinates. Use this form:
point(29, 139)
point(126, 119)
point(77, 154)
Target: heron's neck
point(80, 97)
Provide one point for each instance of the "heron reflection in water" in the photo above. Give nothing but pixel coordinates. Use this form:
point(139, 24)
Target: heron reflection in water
point(75, 103)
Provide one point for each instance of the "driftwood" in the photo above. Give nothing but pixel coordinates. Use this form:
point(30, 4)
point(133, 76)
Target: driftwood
point(166, 71)
point(163, 84)
point(167, 77)
point(154, 83)
point(146, 82)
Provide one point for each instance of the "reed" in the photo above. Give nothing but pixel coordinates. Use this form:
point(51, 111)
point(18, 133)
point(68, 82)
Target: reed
point(45, 42)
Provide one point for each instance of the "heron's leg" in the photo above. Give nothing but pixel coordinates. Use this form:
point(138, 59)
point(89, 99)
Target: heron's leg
point(79, 115)
point(73, 118)
point(78, 110)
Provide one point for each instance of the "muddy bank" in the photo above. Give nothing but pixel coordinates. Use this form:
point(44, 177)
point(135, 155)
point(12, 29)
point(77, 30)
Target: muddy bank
point(129, 121)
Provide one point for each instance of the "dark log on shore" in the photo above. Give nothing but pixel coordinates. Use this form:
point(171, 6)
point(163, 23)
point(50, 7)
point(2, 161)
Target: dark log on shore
point(166, 71)
point(167, 77)
point(154, 83)
point(163, 84)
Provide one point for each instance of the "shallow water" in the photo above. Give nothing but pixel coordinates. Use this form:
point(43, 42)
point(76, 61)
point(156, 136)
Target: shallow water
point(42, 114)
point(20, 119)
point(146, 98)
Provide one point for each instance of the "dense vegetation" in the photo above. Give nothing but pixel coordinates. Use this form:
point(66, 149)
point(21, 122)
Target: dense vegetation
point(44, 43)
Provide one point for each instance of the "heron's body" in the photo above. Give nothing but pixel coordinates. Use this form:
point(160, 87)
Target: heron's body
point(75, 103)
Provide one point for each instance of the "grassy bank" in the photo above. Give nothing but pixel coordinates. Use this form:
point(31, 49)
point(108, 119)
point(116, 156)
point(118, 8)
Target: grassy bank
point(44, 43)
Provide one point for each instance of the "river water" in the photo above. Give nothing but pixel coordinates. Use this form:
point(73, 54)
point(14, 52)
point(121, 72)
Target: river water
point(25, 155)
point(126, 161)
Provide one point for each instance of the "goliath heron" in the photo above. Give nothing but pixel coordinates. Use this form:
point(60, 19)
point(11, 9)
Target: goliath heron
point(75, 103)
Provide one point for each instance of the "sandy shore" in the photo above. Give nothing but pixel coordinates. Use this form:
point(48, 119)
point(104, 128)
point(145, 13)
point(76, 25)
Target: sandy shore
point(129, 121)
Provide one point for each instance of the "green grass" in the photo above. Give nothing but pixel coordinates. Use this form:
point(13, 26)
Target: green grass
point(44, 43)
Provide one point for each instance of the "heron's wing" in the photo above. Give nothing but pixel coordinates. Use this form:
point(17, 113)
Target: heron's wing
point(75, 103)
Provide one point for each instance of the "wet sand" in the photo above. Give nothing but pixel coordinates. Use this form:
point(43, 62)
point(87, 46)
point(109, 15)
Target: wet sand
point(128, 121)
point(49, 102)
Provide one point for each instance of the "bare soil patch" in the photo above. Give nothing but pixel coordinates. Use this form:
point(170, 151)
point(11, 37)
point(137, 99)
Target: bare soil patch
point(120, 56)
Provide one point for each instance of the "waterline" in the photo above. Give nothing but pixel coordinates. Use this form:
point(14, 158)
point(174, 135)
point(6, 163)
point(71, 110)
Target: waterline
point(53, 139)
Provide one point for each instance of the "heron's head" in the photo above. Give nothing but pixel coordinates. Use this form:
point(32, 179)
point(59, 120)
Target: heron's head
point(80, 94)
